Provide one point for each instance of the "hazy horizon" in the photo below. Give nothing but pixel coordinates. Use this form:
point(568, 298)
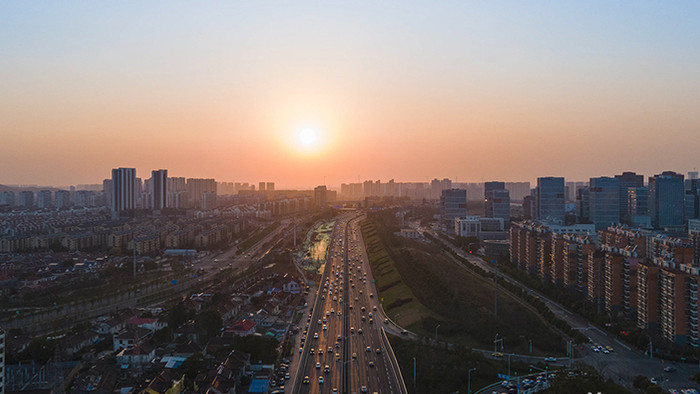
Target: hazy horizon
point(295, 93)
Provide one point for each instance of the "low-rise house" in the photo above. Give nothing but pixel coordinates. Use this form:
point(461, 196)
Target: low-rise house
point(243, 328)
point(291, 287)
point(74, 343)
point(129, 338)
point(136, 356)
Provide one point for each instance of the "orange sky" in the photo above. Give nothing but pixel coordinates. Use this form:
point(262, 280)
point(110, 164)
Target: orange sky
point(469, 92)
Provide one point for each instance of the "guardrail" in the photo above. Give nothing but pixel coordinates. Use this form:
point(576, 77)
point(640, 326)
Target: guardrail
point(394, 363)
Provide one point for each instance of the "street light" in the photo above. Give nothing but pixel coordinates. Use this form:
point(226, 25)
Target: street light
point(469, 380)
point(436, 331)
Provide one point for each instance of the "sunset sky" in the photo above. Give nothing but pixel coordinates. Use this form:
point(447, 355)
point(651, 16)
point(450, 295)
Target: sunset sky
point(506, 90)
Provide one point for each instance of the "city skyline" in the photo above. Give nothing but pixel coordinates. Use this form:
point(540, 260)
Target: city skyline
point(298, 94)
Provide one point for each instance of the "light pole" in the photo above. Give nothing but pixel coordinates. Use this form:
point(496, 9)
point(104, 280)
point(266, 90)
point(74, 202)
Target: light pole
point(469, 380)
point(436, 331)
point(530, 345)
point(414, 373)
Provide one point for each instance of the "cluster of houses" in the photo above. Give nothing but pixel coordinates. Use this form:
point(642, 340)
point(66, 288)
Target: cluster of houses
point(137, 362)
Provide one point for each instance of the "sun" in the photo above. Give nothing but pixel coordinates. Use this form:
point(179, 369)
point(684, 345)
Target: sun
point(308, 138)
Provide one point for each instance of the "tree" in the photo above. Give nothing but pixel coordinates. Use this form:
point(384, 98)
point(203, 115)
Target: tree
point(654, 389)
point(641, 382)
point(191, 367)
point(209, 322)
point(177, 316)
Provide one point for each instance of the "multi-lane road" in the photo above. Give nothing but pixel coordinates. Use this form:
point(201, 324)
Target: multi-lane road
point(345, 349)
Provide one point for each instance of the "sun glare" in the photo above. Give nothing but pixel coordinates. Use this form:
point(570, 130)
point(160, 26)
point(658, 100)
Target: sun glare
point(308, 138)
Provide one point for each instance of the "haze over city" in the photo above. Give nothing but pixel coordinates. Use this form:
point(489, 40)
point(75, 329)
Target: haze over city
point(306, 93)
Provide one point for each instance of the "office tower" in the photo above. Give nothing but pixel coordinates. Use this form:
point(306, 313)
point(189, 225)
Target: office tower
point(583, 205)
point(43, 199)
point(26, 199)
point(270, 186)
point(123, 190)
point(604, 201)
point(63, 199)
point(627, 180)
point(666, 200)
point(453, 204)
point(159, 185)
point(261, 186)
point(527, 207)
point(320, 196)
point(692, 199)
point(497, 201)
point(7, 198)
point(550, 199)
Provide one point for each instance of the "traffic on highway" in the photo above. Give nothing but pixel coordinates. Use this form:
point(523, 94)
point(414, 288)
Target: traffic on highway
point(344, 348)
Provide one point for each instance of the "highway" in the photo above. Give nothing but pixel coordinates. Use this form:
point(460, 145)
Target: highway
point(339, 328)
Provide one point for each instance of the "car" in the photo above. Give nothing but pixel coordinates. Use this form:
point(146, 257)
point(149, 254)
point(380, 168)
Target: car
point(370, 314)
point(606, 351)
point(551, 359)
point(363, 389)
point(337, 345)
point(371, 295)
point(364, 318)
point(337, 356)
point(301, 349)
point(386, 321)
point(315, 335)
point(319, 322)
point(610, 348)
point(371, 364)
point(312, 351)
point(325, 327)
point(327, 369)
point(670, 368)
point(595, 349)
point(352, 329)
point(497, 354)
point(306, 380)
point(320, 352)
point(330, 349)
point(318, 365)
point(286, 376)
point(374, 308)
point(404, 332)
point(354, 356)
point(378, 351)
point(371, 321)
point(369, 349)
point(325, 320)
point(320, 380)
point(359, 331)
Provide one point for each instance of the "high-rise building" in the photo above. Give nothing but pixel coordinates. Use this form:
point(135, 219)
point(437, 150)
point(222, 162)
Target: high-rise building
point(666, 200)
point(604, 202)
point(320, 196)
point(270, 186)
point(453, 205)
point(25, 199)
point(123, 190)
point(159, 184)
point(208, 201)
point(7, 198)
point(628, 180)
point(197, 186)
point(497, 201)
point(2, 361)
point(692, 199)
point(550, 196)
point(583, 205)
point(261, 186)
point(63, 199)
point(43, 199)
point(518, 190)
